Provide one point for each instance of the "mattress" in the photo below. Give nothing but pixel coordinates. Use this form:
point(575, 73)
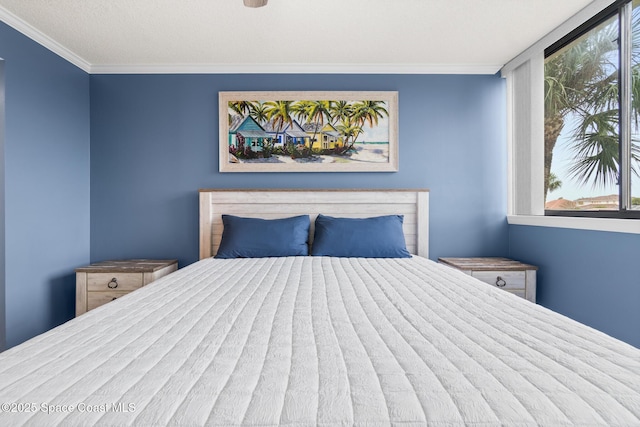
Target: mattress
point(321, 341)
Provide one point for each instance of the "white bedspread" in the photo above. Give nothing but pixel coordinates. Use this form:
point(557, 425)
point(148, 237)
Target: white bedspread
point(321, 341)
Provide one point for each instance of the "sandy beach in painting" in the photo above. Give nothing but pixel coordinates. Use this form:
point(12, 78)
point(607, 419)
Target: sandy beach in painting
point(373, 153)
point(366, 153)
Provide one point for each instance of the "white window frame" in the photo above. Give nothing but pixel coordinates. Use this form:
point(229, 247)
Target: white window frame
point(525, 135)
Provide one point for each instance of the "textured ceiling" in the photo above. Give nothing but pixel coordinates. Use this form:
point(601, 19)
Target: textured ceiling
point(128, 34)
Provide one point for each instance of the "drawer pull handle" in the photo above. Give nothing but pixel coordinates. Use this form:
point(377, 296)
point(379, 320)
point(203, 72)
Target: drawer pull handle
point(500, 282)
point(113, 283)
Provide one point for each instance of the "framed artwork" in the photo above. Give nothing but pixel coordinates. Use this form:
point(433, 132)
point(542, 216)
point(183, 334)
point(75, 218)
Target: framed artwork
point(308, 131)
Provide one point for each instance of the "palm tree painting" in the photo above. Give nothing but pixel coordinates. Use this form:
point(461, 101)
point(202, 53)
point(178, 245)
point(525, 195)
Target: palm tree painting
point(308, 131)
point(581, 113)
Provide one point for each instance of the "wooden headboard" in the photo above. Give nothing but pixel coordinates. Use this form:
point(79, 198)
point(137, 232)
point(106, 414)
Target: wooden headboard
point(268, 204)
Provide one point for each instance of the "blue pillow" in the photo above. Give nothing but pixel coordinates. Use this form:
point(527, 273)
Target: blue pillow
point(258, 238)
point(377, 237)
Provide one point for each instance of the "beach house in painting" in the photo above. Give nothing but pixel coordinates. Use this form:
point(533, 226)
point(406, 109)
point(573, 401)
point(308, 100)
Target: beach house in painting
point(324, 136)
point(291, 133)
point(247, 133)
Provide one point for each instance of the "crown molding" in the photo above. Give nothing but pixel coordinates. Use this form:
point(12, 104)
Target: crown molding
point(36, 35)
point(296, 68)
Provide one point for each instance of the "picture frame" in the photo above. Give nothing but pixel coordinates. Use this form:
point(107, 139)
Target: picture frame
point(308, 131)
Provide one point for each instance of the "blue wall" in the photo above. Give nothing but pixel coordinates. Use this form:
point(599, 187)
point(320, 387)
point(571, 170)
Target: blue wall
point(46, 192)
point(154, 141)
point(590, 276)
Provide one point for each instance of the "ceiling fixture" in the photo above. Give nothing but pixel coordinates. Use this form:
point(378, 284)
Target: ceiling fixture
point(255, 3)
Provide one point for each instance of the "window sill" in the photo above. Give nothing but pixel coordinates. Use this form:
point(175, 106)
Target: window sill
point(597, 224)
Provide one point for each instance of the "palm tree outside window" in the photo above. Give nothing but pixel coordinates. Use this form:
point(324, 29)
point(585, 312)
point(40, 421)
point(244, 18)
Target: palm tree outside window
point(592, 117)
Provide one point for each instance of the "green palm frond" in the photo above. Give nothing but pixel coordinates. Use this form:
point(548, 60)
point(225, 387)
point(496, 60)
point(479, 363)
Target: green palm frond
point(318, 111)
point(369, 112)
point(340, 110)
point(259, 112)
point(279, 112)
point(596, 150)
point(301, 110)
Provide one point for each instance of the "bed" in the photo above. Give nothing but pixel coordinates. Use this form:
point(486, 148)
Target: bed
point(320, 340)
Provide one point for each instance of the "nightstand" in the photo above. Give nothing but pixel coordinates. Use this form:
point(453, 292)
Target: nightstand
point(103, 282)
point(504, 273)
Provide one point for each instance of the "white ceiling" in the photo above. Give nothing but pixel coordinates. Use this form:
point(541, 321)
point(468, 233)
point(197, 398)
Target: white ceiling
point(466, 36)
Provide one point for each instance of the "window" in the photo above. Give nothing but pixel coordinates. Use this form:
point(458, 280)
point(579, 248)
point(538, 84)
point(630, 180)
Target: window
point(592, 117)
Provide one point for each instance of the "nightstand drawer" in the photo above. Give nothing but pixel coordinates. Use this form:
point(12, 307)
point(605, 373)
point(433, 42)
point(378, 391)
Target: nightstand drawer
point(114, 281)
point(103, 282)
point(502, 279)
point(512, 276)
point(96, 299)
